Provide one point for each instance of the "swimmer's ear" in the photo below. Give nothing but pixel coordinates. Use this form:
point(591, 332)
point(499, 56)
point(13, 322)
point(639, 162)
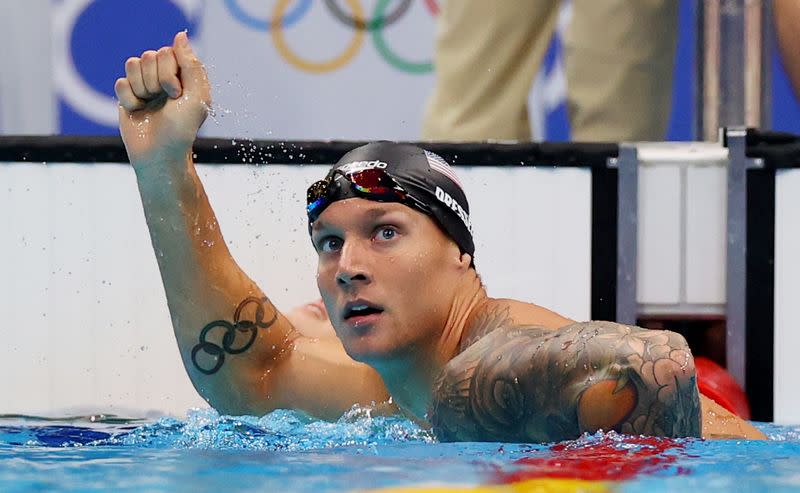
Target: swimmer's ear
point(454, 252)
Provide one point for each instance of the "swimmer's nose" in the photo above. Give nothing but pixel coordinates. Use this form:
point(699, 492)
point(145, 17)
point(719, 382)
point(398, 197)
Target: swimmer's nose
point(352, 268)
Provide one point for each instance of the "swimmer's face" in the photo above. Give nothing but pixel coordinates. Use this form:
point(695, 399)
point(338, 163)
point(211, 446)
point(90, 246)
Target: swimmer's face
point(387, 275)
point(311, 319)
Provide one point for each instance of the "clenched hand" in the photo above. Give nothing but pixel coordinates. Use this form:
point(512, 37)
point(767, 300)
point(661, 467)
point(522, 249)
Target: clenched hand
point(164, 98)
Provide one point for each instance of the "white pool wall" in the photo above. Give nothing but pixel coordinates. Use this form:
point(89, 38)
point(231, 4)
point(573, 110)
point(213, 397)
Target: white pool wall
point(85, 320)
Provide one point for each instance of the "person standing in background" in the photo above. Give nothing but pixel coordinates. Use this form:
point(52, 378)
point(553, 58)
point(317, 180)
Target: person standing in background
point(619, 57)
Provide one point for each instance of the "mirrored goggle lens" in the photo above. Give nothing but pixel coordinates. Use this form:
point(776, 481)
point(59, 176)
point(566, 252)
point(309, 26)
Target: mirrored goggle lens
point(376, 182)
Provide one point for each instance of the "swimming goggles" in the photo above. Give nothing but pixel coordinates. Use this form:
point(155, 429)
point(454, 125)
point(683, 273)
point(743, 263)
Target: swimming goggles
point(372, 184)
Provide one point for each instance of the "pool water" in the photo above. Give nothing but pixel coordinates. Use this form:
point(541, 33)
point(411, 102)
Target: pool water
point(286, 451)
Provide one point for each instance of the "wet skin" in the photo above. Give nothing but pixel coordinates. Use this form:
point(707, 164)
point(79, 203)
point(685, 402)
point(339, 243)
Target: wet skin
point(717, 422)
point(428, 320)
point(505, 380)
point(385, 255)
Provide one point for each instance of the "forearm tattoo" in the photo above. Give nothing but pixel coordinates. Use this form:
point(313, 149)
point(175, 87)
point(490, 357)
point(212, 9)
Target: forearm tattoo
point(237, 336)
point(529, 384)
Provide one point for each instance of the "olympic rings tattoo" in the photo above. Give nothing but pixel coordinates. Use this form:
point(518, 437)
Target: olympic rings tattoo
point(239, 326)
point(283, 17)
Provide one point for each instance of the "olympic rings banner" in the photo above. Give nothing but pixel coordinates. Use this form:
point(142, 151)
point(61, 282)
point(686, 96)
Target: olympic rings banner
point(295, 69)
point(311, 69)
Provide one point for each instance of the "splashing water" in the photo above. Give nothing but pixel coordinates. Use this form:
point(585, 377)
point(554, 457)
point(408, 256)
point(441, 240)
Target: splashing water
point(288, 451)
point(207, 429)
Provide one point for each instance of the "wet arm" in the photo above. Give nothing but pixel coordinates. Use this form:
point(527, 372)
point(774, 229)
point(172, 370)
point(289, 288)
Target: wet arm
point(228, 331)
point(241, 354)
point(532, 384)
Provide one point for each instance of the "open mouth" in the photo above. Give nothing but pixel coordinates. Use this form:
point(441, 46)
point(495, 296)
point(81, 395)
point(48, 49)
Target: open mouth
point(360, 312)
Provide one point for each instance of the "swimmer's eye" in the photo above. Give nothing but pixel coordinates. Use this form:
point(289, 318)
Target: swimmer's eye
point(329, 244)
point(385, 233)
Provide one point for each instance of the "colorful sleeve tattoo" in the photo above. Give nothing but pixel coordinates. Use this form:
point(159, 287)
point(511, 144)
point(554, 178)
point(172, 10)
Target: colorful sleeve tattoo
point(528, 384)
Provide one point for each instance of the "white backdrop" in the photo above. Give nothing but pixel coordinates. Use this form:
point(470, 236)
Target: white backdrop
point(787, 287)
point(85, 322)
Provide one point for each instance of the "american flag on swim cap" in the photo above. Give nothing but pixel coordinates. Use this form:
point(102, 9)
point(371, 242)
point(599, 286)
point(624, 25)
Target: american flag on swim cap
point(438, 164)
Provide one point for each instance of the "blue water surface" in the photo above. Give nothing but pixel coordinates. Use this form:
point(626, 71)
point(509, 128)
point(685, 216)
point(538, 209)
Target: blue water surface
point(287, 451)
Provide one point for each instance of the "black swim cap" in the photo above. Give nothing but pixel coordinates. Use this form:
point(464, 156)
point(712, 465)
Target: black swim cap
point(423, 175)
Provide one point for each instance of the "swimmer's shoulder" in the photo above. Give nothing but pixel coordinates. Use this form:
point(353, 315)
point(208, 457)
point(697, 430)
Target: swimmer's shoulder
point(494, 313)
point(531, 314)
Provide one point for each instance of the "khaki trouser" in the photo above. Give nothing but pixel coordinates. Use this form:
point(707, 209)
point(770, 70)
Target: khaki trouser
point(619, 57)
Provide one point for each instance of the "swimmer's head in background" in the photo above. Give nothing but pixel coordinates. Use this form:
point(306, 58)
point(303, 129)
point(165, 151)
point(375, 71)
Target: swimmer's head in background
point(404, 173)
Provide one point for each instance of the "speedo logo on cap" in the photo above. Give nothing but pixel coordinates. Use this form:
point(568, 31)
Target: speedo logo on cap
point(450, 202)
point(356, 166)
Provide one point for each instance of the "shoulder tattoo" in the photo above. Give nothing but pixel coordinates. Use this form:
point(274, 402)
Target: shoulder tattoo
point(519, 383)
point(485, 322)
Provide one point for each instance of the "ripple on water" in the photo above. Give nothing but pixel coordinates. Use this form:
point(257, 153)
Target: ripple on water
point(207, 429)
point(209, 452)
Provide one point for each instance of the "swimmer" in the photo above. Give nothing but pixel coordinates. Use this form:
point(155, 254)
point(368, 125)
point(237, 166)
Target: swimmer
point(390, 224)
point(311, 320)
